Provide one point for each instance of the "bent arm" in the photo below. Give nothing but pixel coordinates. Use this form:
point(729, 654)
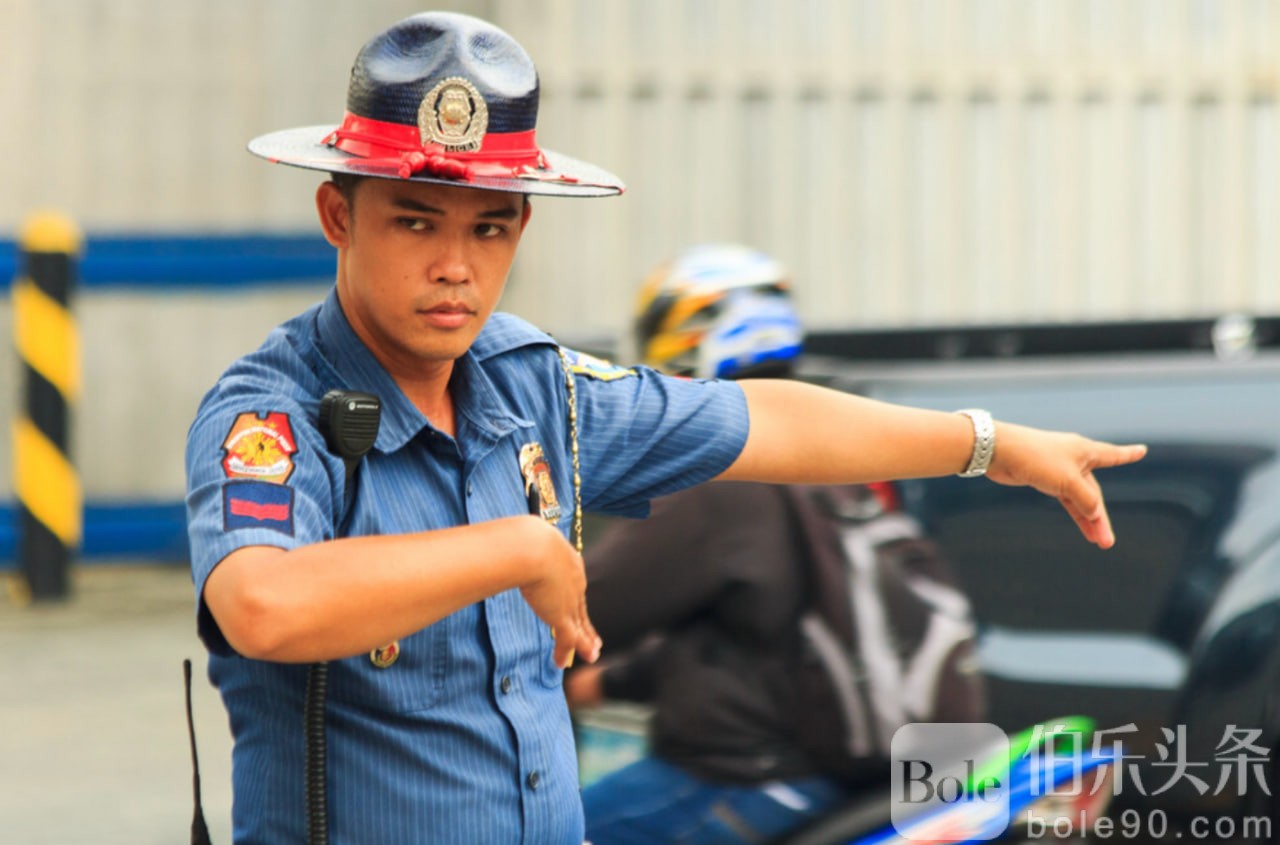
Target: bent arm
point(329, 600)
point(804, 433)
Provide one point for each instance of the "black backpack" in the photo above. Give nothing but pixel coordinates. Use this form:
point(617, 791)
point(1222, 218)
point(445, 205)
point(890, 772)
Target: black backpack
point(888, 637)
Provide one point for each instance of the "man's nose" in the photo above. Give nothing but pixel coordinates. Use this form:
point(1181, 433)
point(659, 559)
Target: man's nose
point(451, 264)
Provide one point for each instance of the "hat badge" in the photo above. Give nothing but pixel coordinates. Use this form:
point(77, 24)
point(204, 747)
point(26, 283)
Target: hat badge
point(453, 115)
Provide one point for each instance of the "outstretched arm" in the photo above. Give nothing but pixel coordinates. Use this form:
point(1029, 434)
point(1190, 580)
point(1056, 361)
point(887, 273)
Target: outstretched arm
point(803, 433)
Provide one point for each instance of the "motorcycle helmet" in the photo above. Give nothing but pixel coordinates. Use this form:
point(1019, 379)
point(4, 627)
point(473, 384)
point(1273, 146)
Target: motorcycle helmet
point(718, 311)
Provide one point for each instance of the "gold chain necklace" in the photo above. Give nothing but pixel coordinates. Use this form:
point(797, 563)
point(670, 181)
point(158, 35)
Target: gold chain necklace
point(573, 442)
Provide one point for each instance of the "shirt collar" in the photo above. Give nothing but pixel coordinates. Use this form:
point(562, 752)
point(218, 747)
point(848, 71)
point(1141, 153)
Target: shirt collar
point(480, 409)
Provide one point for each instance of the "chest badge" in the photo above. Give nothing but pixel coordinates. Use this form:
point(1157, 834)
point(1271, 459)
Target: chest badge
point(386, 655)
point(538, 486)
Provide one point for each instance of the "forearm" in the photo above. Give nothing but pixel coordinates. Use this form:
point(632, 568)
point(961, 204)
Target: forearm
point(329, 600)
point(803, 433)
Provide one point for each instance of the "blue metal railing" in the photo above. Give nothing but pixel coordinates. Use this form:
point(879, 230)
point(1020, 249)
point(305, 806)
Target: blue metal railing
point(120, 530)
point(157, 530)
point(193, 260)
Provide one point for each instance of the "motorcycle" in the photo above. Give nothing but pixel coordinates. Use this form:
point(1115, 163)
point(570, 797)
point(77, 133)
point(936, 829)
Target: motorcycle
point(1057, 787)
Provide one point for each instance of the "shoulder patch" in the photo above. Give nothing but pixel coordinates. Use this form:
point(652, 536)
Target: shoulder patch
point(260, 448)
point(597, 368)
point(257, 504)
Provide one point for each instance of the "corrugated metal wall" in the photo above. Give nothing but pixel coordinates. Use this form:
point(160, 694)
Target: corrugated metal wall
point(919, 161)
point(134, 114)
point(914, 161)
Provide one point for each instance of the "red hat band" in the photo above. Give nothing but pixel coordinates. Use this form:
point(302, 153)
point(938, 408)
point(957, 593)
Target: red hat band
point(395, 146)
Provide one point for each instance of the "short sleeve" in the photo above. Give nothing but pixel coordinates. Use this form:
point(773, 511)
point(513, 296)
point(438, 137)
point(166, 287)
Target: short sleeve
point(257, 475)
point(643, 434)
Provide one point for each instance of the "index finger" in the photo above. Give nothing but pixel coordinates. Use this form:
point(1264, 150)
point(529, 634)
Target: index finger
point(1083, 500)
point(1095, 528)
point(564, 652)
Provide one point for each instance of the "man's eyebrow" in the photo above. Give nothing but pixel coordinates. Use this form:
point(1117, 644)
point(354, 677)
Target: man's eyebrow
point(504, 213)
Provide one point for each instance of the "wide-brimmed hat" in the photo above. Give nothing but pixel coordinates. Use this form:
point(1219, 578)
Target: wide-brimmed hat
point(445, 98)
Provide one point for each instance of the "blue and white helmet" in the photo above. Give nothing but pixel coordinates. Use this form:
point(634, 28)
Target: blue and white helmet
point(718, 311)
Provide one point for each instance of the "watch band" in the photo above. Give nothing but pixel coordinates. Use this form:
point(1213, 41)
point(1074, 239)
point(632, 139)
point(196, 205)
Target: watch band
point(984, 442)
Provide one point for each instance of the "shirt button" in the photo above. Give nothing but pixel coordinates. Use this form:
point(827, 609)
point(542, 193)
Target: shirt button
point(533, 780)
point(386, 655)
point(468, 488)
point(506, 684)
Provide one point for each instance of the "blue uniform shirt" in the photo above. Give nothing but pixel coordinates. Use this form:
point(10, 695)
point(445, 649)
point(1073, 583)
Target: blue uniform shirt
point(466, 736)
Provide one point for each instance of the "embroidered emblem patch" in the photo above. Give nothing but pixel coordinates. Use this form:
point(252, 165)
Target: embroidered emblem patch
point(596, 368)
point(257, 504)
point(538, 486)
point(259, 448)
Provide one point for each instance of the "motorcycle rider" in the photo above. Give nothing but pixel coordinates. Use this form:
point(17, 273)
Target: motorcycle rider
point(699, 605)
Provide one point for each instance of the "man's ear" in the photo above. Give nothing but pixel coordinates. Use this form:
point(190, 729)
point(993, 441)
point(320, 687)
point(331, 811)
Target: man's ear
point(335, 214)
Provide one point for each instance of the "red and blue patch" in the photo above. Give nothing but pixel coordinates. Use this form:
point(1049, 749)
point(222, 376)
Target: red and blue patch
point(257, 504)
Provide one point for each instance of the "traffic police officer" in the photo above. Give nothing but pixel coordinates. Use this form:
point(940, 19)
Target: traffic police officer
point(447, 598)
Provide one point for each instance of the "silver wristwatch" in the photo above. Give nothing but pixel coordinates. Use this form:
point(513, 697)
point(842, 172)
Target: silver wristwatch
point(984, 442)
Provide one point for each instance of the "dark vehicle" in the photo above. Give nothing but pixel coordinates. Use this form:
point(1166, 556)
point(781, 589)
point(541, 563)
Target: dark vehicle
point(1172, 638)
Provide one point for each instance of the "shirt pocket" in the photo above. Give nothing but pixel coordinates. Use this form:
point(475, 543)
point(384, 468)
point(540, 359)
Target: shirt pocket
point(414, 680)
point(551, 675)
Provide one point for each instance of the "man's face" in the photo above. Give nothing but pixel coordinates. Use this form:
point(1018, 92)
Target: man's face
point(422, 266)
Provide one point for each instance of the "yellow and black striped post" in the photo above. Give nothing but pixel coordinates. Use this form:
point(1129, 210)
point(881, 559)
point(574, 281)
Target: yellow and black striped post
point(48, 343)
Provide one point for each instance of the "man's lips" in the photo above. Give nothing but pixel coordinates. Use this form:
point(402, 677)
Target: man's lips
point(448, 315)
